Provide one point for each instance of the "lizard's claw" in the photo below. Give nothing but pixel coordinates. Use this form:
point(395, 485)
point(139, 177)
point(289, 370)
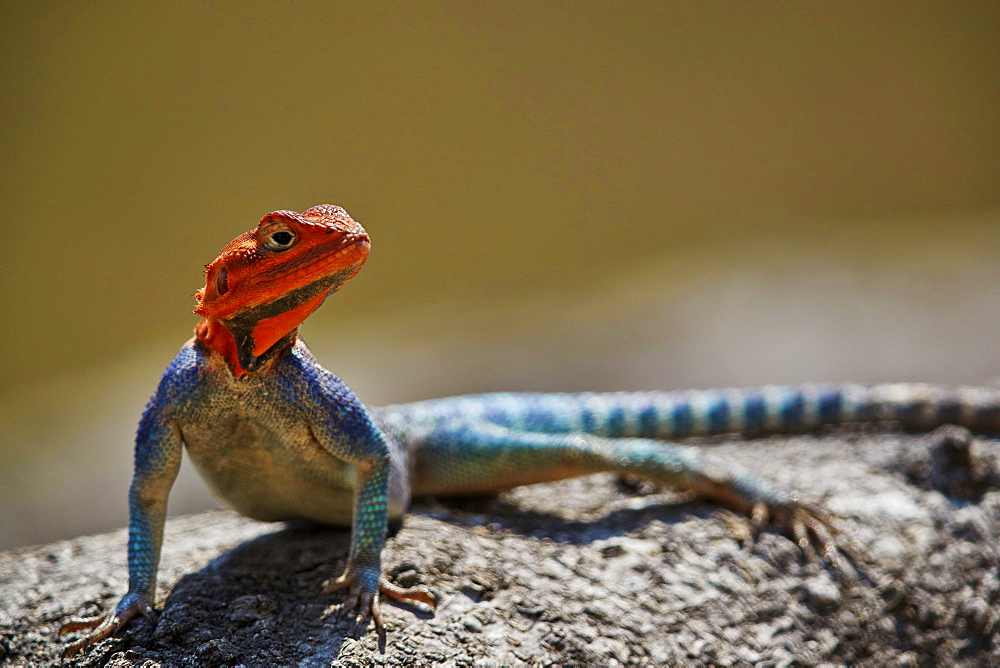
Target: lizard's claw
point(812, 528)
point(420, 595)
point(103, 626)
point(365, 602)
point(360, 599)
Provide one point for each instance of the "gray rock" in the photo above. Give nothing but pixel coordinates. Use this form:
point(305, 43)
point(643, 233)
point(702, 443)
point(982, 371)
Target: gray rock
point(577, 572)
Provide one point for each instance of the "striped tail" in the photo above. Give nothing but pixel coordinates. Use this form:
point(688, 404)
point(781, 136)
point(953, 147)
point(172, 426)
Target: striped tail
point(757, 411)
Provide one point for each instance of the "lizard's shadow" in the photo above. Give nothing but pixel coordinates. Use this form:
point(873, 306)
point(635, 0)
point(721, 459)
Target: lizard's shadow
point(501, 514)
point(258, 602)
point(261, 600)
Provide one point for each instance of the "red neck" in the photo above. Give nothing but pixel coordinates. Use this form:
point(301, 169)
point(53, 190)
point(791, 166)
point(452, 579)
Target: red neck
point(255, 339)
point(214, 336)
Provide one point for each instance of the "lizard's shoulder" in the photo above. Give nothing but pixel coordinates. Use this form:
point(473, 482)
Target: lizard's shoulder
point(298, 360)
point(190, 359)
point(181, 378)
point(299, 368)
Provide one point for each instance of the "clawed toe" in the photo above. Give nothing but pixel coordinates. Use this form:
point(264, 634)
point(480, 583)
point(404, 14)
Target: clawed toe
point(367, 604)
point(102, 625)
point(82, 624)
point(413, 595)
point(812, 529)
point(815, 531)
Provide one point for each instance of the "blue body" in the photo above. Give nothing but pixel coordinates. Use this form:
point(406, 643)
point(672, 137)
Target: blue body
point(290, 440)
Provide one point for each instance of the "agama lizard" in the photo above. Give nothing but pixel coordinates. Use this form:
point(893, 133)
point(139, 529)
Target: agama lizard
point(279, 437)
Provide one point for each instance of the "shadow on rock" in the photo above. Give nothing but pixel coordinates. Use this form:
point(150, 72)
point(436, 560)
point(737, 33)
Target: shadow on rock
point(260, 602)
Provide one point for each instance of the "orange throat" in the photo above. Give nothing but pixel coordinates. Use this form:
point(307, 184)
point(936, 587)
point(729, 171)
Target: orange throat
point(214, 336)
point(259, 338)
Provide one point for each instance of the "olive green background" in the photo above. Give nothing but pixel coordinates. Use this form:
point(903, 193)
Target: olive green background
point(560, 196)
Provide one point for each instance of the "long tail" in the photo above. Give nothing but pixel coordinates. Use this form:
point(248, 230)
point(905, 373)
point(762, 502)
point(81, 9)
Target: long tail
point(756, 411)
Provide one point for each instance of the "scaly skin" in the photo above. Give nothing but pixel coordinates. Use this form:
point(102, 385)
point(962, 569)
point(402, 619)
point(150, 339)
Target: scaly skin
point(279, 437)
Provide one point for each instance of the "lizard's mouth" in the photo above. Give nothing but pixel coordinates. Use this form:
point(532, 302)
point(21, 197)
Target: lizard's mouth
point(350, 250)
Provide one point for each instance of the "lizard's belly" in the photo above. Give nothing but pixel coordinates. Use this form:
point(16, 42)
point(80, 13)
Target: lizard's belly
point(270, 474)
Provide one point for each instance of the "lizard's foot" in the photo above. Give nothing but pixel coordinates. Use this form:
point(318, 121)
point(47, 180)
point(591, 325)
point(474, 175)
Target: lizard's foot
point(103, 626)
point(812, 528)
point(365, 603)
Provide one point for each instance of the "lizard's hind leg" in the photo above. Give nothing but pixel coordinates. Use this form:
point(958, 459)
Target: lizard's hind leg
point(482, 457)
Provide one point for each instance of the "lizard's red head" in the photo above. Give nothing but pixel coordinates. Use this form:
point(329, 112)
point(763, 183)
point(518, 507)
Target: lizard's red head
point(267, 281)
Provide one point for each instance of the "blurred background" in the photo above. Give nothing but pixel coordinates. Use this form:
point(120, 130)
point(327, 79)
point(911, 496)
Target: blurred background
point(561, 196)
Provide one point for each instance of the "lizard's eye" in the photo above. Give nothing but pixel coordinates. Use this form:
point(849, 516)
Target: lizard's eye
point(280, 240)
point(222, 282)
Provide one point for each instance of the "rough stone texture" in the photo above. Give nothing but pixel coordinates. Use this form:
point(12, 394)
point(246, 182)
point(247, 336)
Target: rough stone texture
point(589, 571)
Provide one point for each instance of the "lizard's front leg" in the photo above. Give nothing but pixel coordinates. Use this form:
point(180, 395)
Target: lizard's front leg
point(342, 426)
point(362, 577)
point(157, 460)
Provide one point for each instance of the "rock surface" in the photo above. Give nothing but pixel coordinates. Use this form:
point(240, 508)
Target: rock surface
point(597, 570)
